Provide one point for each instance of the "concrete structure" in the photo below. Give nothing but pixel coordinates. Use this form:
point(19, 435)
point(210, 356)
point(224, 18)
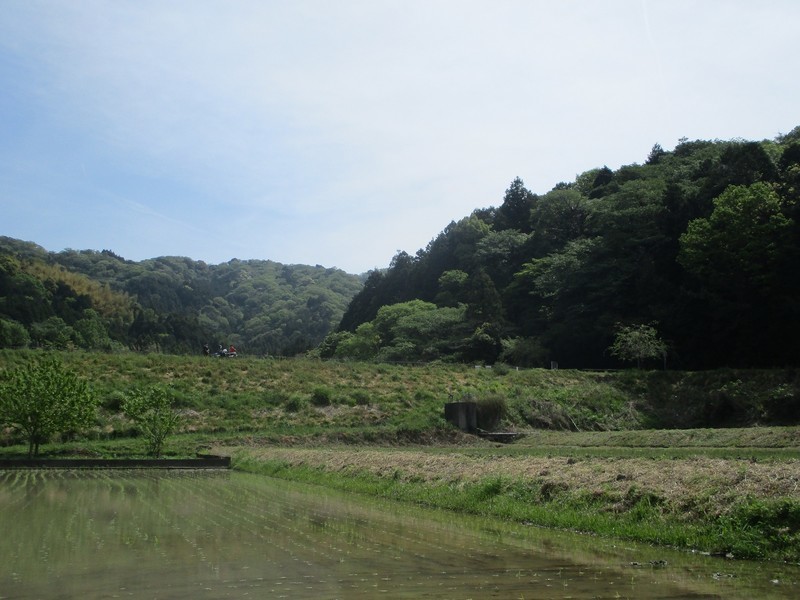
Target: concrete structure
point(463, 415)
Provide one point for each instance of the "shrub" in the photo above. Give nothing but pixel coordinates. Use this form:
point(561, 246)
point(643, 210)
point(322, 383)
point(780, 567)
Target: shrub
point(637, 344)
point(500, 368)
point(114, 400)
point(321, 396)
point(13, 334)
point(152, 411)
point(782, 405)
point(544, 414)
point(295, 403)
point(490, 410)
point(360, 397)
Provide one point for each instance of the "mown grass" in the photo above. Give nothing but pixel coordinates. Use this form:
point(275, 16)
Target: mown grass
point(750, 528)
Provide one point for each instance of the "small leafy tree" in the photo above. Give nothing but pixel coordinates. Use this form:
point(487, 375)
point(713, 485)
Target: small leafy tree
point(151, 410)
point(43, 399)
point(637, 343)
point(13, 334)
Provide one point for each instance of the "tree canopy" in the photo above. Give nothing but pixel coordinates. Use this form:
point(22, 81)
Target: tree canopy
point(43, 399)
point(703, 239)
point(100, 301)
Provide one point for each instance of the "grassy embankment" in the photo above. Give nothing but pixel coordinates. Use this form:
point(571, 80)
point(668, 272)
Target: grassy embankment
point(681, 459)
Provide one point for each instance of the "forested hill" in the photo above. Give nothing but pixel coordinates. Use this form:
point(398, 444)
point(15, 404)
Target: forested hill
point(701, 244)
point(98, 300)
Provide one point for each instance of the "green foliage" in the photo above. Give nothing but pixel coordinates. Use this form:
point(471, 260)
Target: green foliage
point(53, 334)
point(262, 395)
point(743, 238)
point(452, 288)
point(295, 403)
point(766, 526)
point(515, 212)
point(91, 332)
point(490, 411)
point(405, 332)
point(151, 410)
point(100, 301)
point(321, 396)
point(13, 334)
point(274, 399)
point(42, 399)
point(523, 352)
point(558, 217)
point(637, 343)
point(704, 240)
point(742, 262)
point(360, 345)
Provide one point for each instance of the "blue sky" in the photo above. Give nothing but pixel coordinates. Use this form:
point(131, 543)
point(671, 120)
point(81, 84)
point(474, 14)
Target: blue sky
point(338, 133)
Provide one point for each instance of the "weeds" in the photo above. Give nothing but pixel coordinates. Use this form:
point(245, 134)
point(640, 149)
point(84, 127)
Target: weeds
point(567, 472)
point(490, 411)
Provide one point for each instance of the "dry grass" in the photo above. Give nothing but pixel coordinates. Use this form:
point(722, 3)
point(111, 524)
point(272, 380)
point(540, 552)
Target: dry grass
point(674, 481)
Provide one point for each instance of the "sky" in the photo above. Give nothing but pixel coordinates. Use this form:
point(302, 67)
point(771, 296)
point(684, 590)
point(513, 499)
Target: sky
point(339, 133)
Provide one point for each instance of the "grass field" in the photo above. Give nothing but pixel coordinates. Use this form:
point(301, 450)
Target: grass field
point(705, 461)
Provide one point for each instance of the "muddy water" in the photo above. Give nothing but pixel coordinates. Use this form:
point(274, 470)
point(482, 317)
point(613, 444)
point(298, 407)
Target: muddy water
point(165, 535)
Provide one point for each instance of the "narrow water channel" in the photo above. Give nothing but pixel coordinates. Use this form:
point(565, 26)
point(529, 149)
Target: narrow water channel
point(188, 535)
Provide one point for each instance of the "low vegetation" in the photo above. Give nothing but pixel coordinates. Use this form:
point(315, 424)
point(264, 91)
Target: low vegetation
point(726, 507)
point(704, 460)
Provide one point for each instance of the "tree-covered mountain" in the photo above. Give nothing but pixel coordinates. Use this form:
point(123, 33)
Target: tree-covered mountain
point(98, 300)
point(701, 242)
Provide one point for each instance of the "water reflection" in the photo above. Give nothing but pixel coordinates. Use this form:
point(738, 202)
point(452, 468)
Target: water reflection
point(145, 534)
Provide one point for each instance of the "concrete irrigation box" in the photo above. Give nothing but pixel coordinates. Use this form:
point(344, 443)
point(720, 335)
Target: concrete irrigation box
point(463, 415)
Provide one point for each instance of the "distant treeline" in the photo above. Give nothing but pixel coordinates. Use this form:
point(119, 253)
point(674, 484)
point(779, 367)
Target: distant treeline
point(701, 243)
point(100, 301)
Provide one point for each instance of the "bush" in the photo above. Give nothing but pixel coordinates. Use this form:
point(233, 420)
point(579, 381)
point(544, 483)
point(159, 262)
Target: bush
point(114, 400)
point(544, 414)
point(490, 410)
point(360, 397)
point(295, 403)
point(13, 334)
point(152, 411)
point(523, 352)
point(782, 405)
point(500, 369)
point(321, 396)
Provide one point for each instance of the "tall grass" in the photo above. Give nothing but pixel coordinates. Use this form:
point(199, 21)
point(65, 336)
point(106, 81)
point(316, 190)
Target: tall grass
point(346, 398)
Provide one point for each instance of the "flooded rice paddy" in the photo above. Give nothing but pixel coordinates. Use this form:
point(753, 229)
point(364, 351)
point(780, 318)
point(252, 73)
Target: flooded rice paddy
point(176, 535)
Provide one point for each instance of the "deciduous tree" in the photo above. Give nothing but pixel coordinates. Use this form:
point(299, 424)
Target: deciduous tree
point(152, 411)
point(637, 343)
point(43, 399)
